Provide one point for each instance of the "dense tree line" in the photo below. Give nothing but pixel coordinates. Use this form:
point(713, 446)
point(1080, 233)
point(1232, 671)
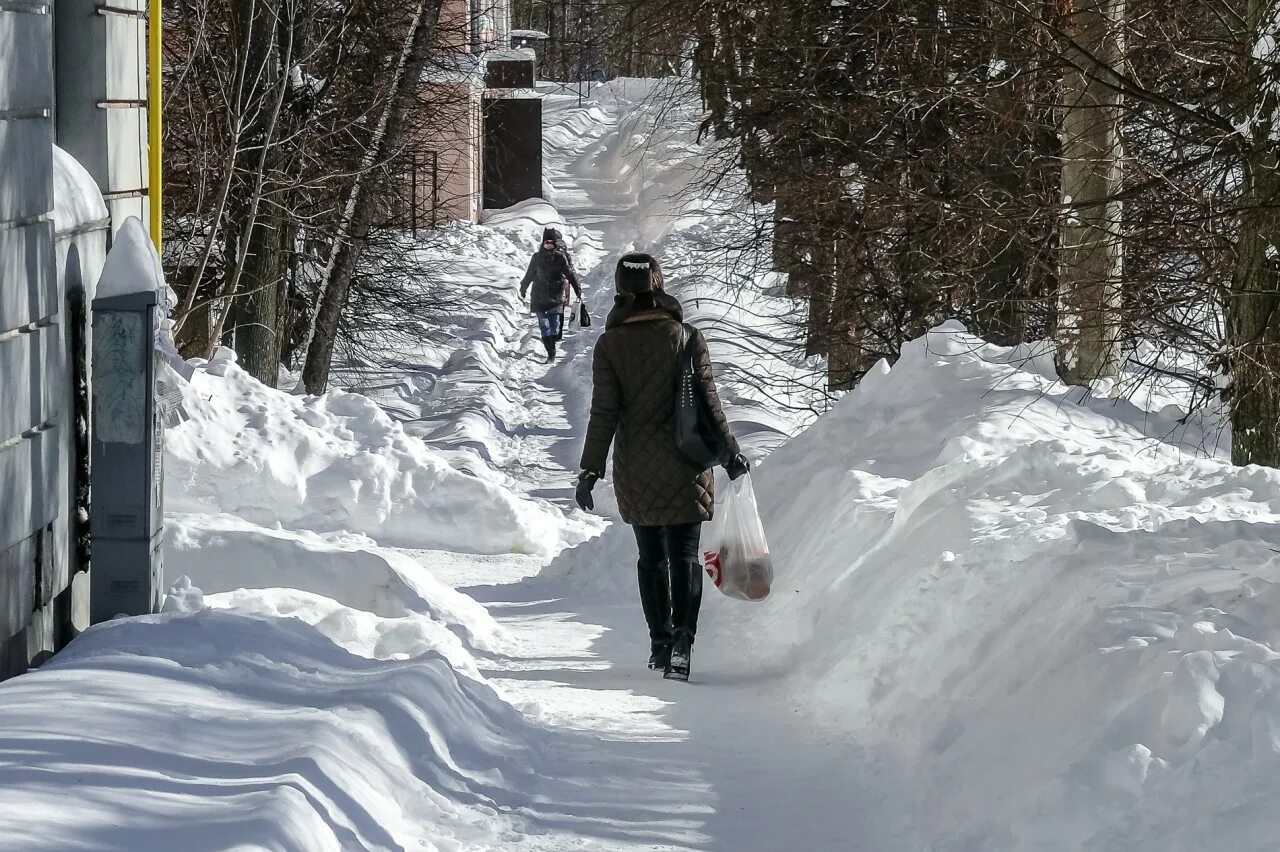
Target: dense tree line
point(1099, 173)
point(286, 164)
point(627, 38)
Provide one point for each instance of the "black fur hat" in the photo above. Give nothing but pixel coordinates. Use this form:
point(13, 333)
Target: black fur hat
point(637, 273)
point(551, 235)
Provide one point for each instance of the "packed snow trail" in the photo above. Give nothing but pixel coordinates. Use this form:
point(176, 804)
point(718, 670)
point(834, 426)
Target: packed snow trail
point(724, 762)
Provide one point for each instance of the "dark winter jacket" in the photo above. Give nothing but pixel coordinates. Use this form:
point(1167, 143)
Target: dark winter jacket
point(548, 271)
point(632, 408)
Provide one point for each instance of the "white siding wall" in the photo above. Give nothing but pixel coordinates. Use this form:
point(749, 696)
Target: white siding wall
point(37, 390)
point(34, 388)
point(101, 96)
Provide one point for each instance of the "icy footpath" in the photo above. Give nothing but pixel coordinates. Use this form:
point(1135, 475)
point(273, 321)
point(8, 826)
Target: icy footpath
point(1061, 629)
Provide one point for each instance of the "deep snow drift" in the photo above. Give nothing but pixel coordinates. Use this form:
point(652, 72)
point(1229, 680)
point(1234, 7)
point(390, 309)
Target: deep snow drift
point(1059, 628)
point(220, 730)
point(339, 462)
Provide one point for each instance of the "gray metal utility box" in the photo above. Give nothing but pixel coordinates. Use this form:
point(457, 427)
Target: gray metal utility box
point(128, 447)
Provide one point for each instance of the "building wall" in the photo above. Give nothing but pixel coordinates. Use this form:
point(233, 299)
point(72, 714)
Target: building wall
point(35, 431)
point(44, 271)
point(469, 25)
point(453, 140)
point(101, 85)
point(455, 26)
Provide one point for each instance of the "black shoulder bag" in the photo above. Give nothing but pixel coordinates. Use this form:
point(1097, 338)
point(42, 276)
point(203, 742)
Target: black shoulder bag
point(698, 436)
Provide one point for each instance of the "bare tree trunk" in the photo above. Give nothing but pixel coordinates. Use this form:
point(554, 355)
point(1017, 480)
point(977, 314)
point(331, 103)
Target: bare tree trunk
point(822, 289)
point(259, 21)
point(258, 340)
point(257, 344)
point(846, 358)
point(1004, 289)
point(361, 205)
point(259, 234)
point(554, 47)
point(1253, 321)
point(1091, 249)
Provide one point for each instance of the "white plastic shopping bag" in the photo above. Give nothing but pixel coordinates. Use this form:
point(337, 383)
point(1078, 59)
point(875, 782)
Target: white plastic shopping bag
point(736, 555)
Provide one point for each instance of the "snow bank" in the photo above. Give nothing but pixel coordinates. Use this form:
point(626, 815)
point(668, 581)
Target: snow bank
point(339, 462)
point(1058, 621)
point(525, 222)
point(254, 733)
point(475, 387)
point(396, 603)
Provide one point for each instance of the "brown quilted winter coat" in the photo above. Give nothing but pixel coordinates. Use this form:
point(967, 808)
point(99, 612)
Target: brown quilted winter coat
point(633, 407)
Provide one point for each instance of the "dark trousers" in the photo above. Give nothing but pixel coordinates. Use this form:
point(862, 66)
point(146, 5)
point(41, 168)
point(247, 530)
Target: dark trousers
point(670, 579)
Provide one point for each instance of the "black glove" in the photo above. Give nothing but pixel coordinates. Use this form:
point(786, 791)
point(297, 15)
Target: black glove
point(737, 466)
point(586, 481)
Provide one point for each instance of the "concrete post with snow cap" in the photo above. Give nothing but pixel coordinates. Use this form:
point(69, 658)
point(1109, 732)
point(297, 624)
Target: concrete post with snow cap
point(126, 518)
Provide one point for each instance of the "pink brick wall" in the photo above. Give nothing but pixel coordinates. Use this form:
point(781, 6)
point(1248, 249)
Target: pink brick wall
point(455, 132)
point(455, 136)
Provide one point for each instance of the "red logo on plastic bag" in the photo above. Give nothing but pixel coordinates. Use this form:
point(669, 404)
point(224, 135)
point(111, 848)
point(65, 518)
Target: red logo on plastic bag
point(711, 561)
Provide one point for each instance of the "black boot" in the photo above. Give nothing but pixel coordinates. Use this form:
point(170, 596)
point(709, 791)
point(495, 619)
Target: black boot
point(550, 343)
point(686, 597)
point(655, 598)
point(686, 600)
point(681, 657)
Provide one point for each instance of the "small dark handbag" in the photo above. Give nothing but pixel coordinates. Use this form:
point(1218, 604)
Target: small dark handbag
point(698, 435)
point(584, 318)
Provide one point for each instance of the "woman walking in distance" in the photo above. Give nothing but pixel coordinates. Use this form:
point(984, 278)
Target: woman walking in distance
point(551, 275)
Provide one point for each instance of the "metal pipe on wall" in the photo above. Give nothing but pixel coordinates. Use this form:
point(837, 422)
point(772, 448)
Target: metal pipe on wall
point(155, 109)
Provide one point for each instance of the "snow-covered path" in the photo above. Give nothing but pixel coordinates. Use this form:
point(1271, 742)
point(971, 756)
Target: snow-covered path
point(725, 762)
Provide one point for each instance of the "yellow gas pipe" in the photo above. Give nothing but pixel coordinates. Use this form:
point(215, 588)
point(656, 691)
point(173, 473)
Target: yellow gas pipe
point(154, 110)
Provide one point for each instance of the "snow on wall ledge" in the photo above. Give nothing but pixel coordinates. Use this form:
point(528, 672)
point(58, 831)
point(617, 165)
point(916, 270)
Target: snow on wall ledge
point(77, 201)
point(1058, 624)
point(338, 462)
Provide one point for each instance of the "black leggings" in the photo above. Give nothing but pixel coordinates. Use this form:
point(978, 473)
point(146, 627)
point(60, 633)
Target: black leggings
point(670, 579)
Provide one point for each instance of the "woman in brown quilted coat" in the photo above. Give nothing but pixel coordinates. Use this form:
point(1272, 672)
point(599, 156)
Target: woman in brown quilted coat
point(661, 494)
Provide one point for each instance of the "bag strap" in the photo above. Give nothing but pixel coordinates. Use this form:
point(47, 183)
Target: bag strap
point(687, 334)
point(685, 337)
point(688, 337)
